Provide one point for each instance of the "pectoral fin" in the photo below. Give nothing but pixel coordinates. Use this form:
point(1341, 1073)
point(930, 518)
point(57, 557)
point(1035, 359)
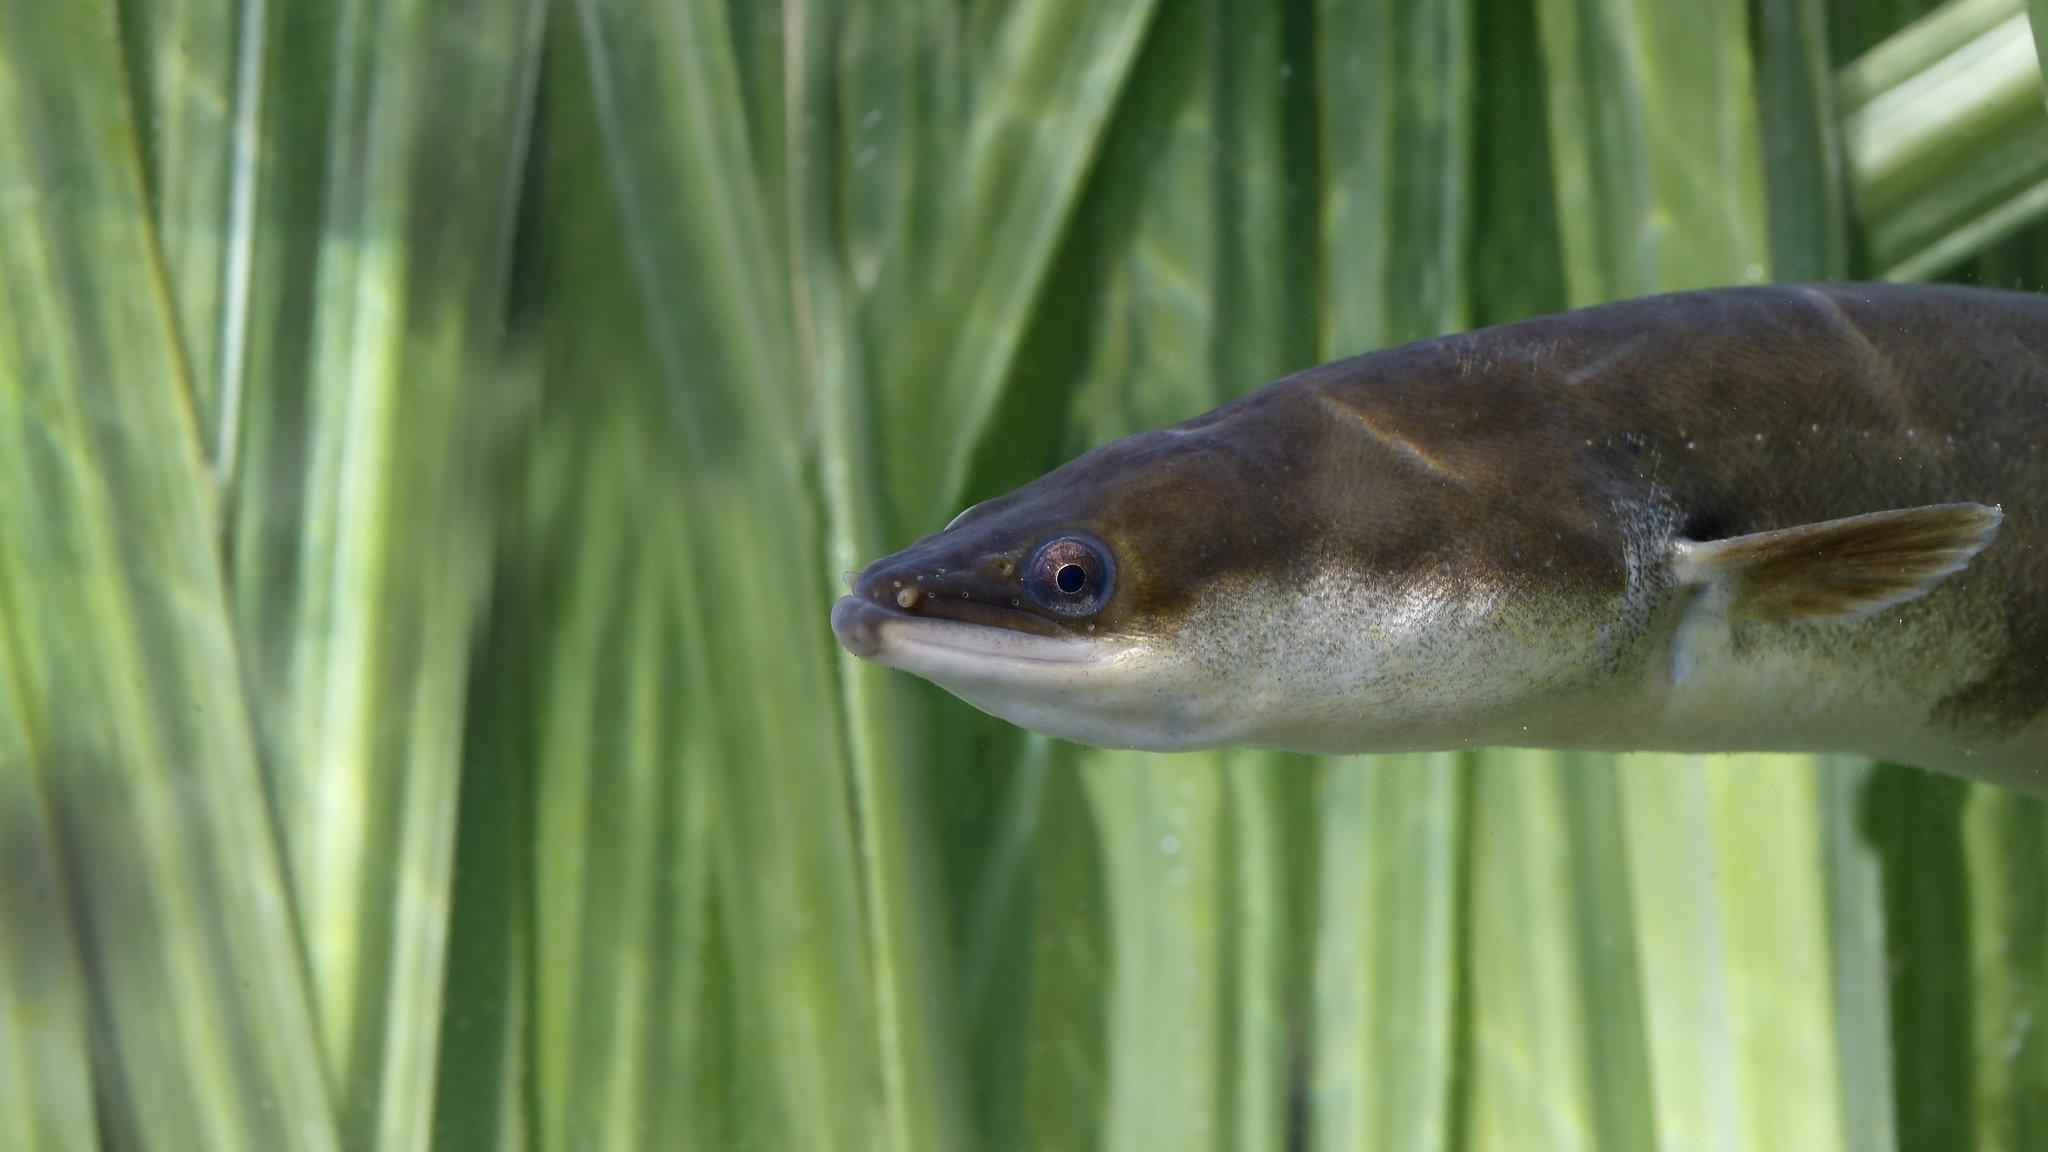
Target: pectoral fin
point(1836, 569)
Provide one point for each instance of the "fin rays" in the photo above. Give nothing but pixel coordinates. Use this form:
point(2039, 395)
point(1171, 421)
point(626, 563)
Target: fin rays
point(1841, 568)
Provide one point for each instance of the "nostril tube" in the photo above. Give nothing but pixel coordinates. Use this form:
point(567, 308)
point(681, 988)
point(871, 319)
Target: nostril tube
point(910, 598)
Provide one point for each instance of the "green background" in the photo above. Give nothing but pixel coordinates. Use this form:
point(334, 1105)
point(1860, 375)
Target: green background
point(431, 433)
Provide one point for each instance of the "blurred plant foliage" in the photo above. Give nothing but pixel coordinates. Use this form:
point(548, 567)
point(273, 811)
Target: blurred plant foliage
point(430, 433)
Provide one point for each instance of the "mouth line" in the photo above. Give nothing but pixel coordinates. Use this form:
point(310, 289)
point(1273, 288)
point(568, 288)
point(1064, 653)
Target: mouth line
point(982, 615)
point(870, 630)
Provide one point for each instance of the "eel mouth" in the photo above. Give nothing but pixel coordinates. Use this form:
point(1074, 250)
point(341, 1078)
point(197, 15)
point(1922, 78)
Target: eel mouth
point(968, 637)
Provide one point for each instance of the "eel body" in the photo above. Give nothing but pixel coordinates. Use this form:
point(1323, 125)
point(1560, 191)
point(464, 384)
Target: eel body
point(1784, 519)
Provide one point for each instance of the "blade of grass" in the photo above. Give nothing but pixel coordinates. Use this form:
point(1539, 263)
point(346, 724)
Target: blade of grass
point(1863, 1026)
point(1386, 965)
point(1162, 821)
point(2005, 839)
point(1051, 1090)
point(1260, 1027)
point(1396, 133)
point(46, 1081)
point(578, 890)
point(384, 339)
point(1914, 821)
point(1515, 255)
point(2037, 16)
point(694, 1050)
point(111, 594)
point(680, 216)
point(1264, 282)
point(1805, 190)
point(619, 762)
point(271, 442)
point(1040, 106)
point(631, 1044)
point(481, 1078)
point(192, 74)
point(1560, 1058)
point(1857, 26)
point(695, 188)
point(1685, 949)
point(1947, 136)
point(1771, 872)
point(890, 127)
point(1651, 120)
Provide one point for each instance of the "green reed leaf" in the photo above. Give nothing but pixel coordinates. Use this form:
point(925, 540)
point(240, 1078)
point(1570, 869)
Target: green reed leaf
point(45, 1063)
point(194, 74)
point(123, 678)
point(1396, 121)
point(2004, 840)
point(2037, 16)
point(1387, 968)
point(1650, 128)
point(1806, 190)
point(378, 397)
point(1947, 136)
point(671, 161)
point(1040, 105)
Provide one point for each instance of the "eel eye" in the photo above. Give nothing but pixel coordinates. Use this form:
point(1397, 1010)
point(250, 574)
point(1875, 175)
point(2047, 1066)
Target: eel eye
point(1070, 575)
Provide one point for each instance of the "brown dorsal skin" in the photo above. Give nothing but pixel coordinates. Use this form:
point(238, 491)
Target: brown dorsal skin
point(1545, 470)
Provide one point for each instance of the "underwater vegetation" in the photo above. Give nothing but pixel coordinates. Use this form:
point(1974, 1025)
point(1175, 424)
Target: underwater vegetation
point(431, 436)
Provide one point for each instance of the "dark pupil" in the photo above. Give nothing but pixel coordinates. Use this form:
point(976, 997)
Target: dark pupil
point(1070, 578)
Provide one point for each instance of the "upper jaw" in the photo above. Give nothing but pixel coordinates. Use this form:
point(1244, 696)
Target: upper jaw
point(937, 645)
point(946, 577)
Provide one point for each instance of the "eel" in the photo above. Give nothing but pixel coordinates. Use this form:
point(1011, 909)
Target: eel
point(1784, 518)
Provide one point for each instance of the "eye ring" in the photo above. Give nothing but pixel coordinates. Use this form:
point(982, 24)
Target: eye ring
point(1070, 575)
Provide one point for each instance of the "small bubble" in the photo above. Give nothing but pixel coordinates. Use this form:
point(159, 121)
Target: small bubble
point(1169, 844)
